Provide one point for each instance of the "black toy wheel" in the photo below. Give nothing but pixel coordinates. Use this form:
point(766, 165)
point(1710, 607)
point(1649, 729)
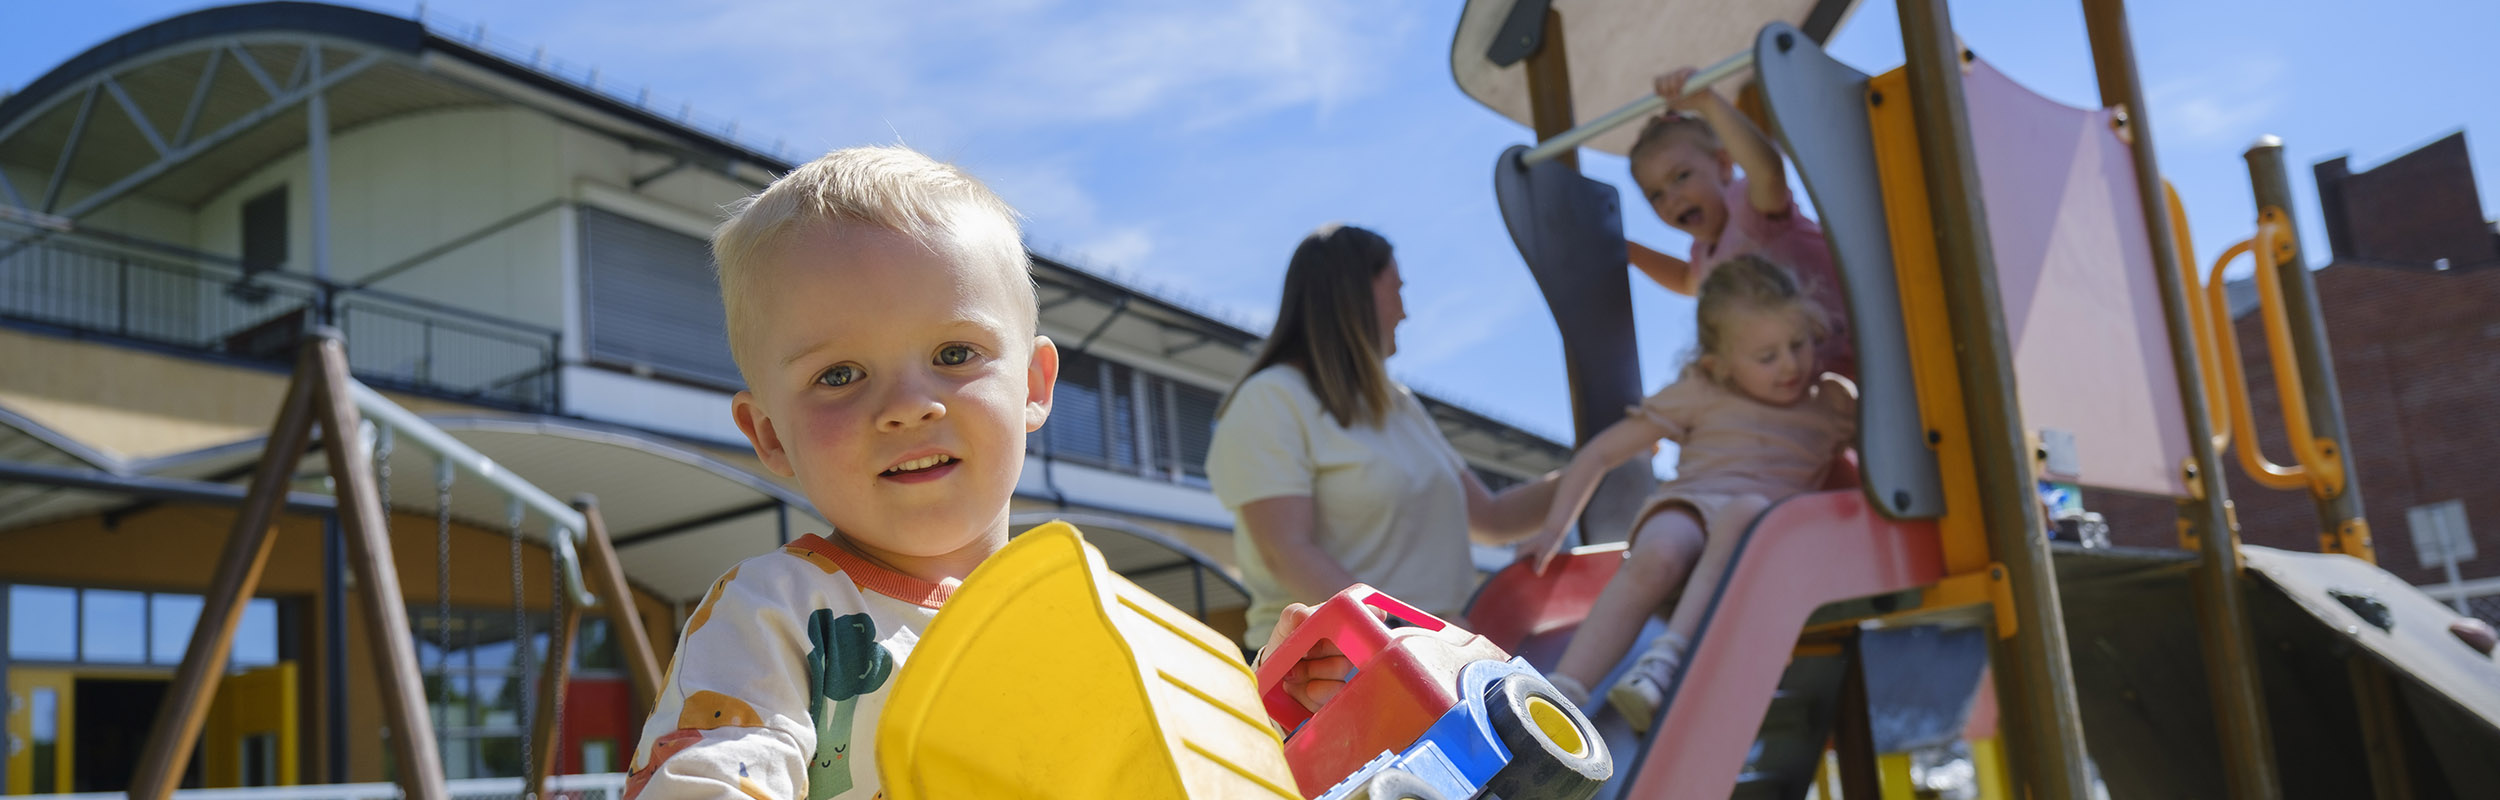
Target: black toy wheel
point(1396, 784)
point(1554, 751)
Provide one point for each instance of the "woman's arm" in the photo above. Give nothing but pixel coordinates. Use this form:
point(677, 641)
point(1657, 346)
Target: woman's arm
point(1674, 273)
point(1282, 529)
point(1579, 481)
point(1512, 515)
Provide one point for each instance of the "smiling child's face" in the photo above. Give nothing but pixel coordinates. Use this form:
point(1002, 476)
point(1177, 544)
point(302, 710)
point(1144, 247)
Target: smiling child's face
point(1686, 185)
point(895, 378)
point(1768, 355)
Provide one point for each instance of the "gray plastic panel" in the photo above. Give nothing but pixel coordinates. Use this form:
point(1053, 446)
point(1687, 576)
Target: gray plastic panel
point(1818, 109)
point(1569, 228)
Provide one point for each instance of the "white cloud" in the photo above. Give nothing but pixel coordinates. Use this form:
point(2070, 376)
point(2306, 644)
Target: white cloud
point(2222, 103)
point(1125, 248)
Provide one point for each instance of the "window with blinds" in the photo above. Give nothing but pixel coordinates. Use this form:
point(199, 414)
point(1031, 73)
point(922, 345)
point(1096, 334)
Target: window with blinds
point(651, 302)
point(1110, 415)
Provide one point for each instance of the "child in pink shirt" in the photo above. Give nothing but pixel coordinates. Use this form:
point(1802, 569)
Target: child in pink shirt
point(1684, 163)
point(1758, 421)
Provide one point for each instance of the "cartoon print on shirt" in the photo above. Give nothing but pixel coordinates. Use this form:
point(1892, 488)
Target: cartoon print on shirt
point(846, 662)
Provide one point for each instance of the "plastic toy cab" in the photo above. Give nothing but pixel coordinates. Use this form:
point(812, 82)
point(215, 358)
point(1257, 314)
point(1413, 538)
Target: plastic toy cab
point(1432, 711)
point(1047, 675)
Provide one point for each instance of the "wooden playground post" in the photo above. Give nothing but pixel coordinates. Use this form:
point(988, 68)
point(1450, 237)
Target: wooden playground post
point(2228, 644)
point(553, 678)
point(185, 708)
point(1549, 87)
point(377, 578)
point(607, 578)
point(2035, 676)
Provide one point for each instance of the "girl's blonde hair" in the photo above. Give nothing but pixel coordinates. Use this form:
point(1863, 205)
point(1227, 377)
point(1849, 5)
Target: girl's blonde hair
point(1669, 127)
point(1754, 285)
point(1328, 327)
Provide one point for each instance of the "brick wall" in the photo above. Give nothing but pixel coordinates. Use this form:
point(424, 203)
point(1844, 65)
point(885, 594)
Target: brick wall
point(2417, 360)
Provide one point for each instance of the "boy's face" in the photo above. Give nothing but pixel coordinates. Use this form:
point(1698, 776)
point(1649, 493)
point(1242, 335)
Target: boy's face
point(896, 379)
point(1686, 185)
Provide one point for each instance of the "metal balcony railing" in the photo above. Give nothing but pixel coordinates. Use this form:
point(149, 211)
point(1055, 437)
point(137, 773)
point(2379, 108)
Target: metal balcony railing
point(113, 287)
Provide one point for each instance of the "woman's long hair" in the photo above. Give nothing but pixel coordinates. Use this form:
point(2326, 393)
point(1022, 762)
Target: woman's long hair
point(1328, 326)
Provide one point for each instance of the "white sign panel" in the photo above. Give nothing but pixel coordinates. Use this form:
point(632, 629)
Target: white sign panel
point(2439, 530)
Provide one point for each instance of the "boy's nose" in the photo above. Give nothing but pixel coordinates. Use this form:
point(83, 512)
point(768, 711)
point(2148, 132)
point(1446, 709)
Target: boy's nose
point(910, 404)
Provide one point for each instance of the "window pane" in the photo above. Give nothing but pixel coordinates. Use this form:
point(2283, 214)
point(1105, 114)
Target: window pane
point(41, 623)
point(115, 625)
point(47, 736)
point(598, 756)
point(256, 639)
point(460, 758)
point(499, 757)
point(1075, 428)
point(499, 701)
point(595, 649)
point(169, 632)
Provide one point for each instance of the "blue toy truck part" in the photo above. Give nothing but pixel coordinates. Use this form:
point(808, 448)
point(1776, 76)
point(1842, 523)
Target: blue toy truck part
point(1462, 753)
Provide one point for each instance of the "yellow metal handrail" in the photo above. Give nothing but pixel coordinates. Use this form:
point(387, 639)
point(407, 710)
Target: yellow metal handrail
point(2317, 463)
point(2200, 324)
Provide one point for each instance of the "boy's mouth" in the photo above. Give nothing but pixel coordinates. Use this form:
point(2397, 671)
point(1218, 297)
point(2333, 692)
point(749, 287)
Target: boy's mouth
point(1690, 218)
point(919, 466)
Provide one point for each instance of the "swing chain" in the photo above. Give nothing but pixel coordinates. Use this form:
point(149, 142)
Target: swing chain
point(382, 469)
point(555, 736)
point(442, 600)
point(521, 640)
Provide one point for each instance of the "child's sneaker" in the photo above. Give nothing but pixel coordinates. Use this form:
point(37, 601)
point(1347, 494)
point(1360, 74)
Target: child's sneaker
point(1643, 688)
point(1571, 690)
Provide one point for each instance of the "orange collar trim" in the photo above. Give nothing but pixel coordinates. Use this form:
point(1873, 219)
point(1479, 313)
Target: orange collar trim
point(869, 576)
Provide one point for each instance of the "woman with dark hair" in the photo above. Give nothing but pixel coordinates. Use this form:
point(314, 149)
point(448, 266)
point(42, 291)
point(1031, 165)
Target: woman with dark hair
point(1335, 474)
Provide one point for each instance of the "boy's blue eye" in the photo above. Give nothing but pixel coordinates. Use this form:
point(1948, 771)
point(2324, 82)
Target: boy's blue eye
point(840, 375)
point(954, 355)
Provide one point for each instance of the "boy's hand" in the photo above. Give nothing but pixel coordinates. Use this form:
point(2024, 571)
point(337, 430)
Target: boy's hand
point(1671, 86)
point(1322, 673)
point(1540, 550)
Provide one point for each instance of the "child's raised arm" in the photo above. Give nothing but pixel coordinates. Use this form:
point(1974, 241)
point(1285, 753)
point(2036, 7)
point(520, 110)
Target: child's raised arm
point(1674, 273)
point(1622, 440)
point(1765, 175)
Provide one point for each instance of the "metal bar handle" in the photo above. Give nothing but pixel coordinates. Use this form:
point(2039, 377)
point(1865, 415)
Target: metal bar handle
point(1649, 104)
point(568, 522)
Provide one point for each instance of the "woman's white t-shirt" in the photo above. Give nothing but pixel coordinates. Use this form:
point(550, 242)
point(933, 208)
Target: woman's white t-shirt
point(1389, 503)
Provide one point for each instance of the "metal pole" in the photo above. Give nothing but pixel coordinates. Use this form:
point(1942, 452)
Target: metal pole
point(403, 422)
point(1569, 140)
point(369, 554)
point(2345, 529)
point(2229, 646)
point(2231, 674)
point(185, 708)
point(2035, 679)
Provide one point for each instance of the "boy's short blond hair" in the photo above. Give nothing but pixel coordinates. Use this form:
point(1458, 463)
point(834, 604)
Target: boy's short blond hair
point(895, 188)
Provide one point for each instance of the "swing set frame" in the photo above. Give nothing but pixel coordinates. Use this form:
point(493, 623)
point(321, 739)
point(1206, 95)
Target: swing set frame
point(323, 399)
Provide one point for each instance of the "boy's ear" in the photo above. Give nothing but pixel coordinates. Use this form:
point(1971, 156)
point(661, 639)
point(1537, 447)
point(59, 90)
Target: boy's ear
point(1709, 365)
point(1727, 165)
point(1041, 378)
point(760, 433)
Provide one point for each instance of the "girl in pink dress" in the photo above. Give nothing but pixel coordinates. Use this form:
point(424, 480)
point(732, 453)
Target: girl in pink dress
point(1757, 420)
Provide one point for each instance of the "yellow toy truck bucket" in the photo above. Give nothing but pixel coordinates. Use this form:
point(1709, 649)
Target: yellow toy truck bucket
point(1048, 675)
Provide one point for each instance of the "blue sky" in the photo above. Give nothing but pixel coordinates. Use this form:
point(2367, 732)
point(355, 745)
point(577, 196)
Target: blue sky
point(1186, 147)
